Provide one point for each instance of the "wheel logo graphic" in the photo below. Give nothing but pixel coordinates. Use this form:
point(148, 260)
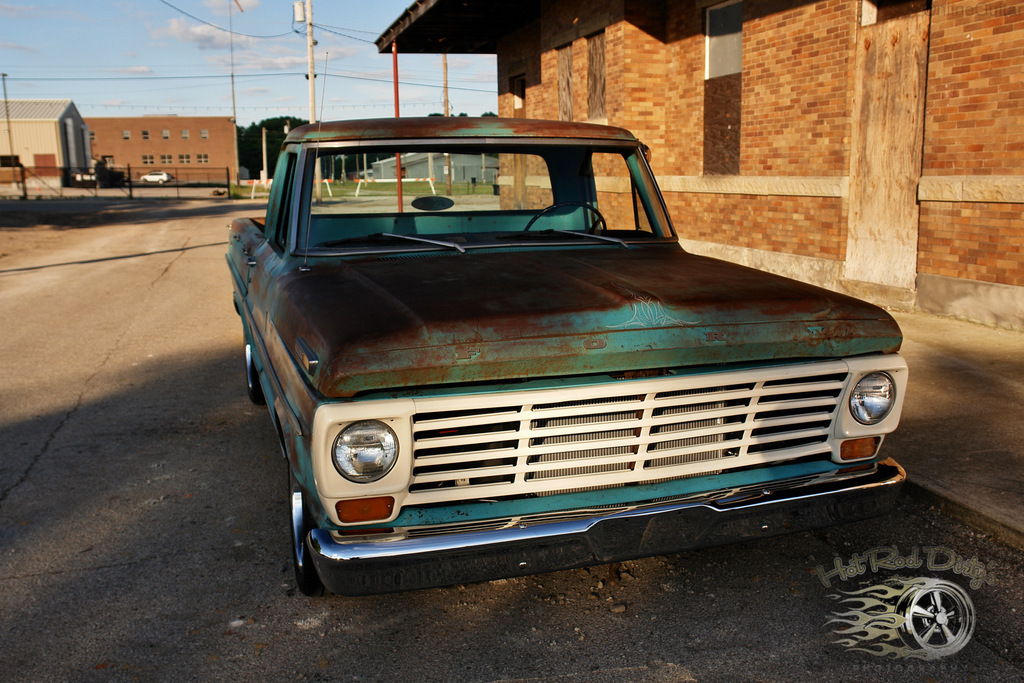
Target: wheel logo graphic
point(939, 617)
point(921, 618)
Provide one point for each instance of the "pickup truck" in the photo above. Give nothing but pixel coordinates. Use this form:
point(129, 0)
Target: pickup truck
point(527, 373)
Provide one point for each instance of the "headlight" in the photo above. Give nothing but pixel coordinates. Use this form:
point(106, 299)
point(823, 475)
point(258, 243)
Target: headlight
point(873, 398)
point(365, 451)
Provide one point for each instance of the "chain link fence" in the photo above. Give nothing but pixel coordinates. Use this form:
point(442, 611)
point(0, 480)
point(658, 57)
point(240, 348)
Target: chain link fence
point(48, 182)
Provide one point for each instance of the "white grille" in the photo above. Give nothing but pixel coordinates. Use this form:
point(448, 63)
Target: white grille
point(472, 448)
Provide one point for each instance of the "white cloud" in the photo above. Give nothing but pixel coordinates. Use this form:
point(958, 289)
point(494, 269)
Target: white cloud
point(16, 11)
point(221, 6)
point(201, 35)
point(18, 48)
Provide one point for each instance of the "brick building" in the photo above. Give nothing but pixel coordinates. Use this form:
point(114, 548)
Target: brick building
point(197, 148)
point(869, 147)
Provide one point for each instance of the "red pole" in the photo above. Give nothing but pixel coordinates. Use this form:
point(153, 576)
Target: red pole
point(398, 156)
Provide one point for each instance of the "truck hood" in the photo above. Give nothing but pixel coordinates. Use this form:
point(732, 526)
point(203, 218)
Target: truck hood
point(422, 319)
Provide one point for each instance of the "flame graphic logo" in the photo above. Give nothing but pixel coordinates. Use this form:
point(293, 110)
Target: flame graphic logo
point(921, 618)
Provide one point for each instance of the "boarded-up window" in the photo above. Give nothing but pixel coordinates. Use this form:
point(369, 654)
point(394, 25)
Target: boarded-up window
point(595, 76)
point(723, 87)
point(565, 83)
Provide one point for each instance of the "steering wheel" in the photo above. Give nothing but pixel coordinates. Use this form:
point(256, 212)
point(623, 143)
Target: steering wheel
point(590, 207)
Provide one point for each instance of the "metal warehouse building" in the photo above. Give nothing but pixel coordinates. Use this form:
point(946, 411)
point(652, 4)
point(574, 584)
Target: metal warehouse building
point(48, 137)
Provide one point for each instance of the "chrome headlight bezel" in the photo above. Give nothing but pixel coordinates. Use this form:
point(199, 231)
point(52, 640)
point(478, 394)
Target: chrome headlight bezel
point(872, 398)
point(365, 451)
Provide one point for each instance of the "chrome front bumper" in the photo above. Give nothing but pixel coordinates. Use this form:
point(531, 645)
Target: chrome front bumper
point(366, 568)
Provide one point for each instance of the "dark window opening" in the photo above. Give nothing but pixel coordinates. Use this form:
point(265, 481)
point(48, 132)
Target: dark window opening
point(723, 88)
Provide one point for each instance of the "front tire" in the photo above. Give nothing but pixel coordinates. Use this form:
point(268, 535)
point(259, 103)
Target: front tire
point(252, 379)
point(306, 578)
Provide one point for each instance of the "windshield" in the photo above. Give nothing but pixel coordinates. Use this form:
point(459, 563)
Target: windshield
point(470, 196)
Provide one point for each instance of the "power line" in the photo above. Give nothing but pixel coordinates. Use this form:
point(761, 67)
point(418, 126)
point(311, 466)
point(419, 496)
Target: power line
point(221, 28)
point(343, 35)
point(335, 74)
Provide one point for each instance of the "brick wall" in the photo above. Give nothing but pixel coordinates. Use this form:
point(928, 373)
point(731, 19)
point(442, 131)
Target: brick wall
point(977, 241)
point(974, 126)
point(796, 96)
point(975, 105)
point(684, 101)
point(519, 55)
point(797, 84)
point(804, 226)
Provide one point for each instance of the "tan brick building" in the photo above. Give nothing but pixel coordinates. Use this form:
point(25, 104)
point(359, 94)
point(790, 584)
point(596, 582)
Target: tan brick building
point(869, 147)
point(197, 148)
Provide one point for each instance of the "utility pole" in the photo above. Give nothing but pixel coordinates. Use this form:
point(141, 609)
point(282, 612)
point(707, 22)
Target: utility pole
point(398, 155)
point(10, 140)
point(447, 112)
point(266, 172)
point(311, 75)
point(311, 63)
point(234, 112)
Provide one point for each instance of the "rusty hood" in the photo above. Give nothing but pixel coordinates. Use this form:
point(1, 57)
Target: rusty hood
point(415, 320)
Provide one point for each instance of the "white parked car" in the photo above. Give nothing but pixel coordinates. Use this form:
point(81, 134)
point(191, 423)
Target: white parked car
point(160, 177)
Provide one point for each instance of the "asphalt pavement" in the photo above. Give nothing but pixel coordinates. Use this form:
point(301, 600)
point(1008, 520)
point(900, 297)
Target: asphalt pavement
point(961, 439)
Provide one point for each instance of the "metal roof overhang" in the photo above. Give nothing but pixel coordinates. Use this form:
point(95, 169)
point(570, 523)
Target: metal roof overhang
point(457, 26)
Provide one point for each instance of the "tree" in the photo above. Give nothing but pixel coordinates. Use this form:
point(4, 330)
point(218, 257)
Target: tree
point(250, 143)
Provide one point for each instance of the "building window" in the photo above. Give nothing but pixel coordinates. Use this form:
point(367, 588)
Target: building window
point(9, 161)
point(166, 158)
point(875, 11)
point(723, 88)
point(92, 136)
point(184, 158)
point(202, 158)
point(165, 134)
point(204, 134)
point(145, 134)
point(147, 159)
point(517, 86)
point(126, 135)
point(565, 83)
point(595, 76)
point(184, 133)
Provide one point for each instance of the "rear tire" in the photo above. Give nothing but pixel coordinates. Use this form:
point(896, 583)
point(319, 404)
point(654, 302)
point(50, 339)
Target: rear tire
point(306, 578)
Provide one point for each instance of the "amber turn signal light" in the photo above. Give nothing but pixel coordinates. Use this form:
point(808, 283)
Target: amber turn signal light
point(858, 449)
point(364, 509)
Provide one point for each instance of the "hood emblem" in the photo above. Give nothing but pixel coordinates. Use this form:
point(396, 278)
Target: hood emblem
point(465, 353)
point(647, 311)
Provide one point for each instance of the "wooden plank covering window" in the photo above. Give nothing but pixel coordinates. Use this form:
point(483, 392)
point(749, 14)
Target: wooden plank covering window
point(722, 100)
point(595, 76)
point(565, 83)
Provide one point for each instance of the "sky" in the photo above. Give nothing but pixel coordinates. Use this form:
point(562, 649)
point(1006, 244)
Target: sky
point(157, 57)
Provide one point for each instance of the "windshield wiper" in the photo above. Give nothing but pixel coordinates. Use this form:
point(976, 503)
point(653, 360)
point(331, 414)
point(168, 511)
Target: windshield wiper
point(440, 243)
point(603, 238)
point(377, 235)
